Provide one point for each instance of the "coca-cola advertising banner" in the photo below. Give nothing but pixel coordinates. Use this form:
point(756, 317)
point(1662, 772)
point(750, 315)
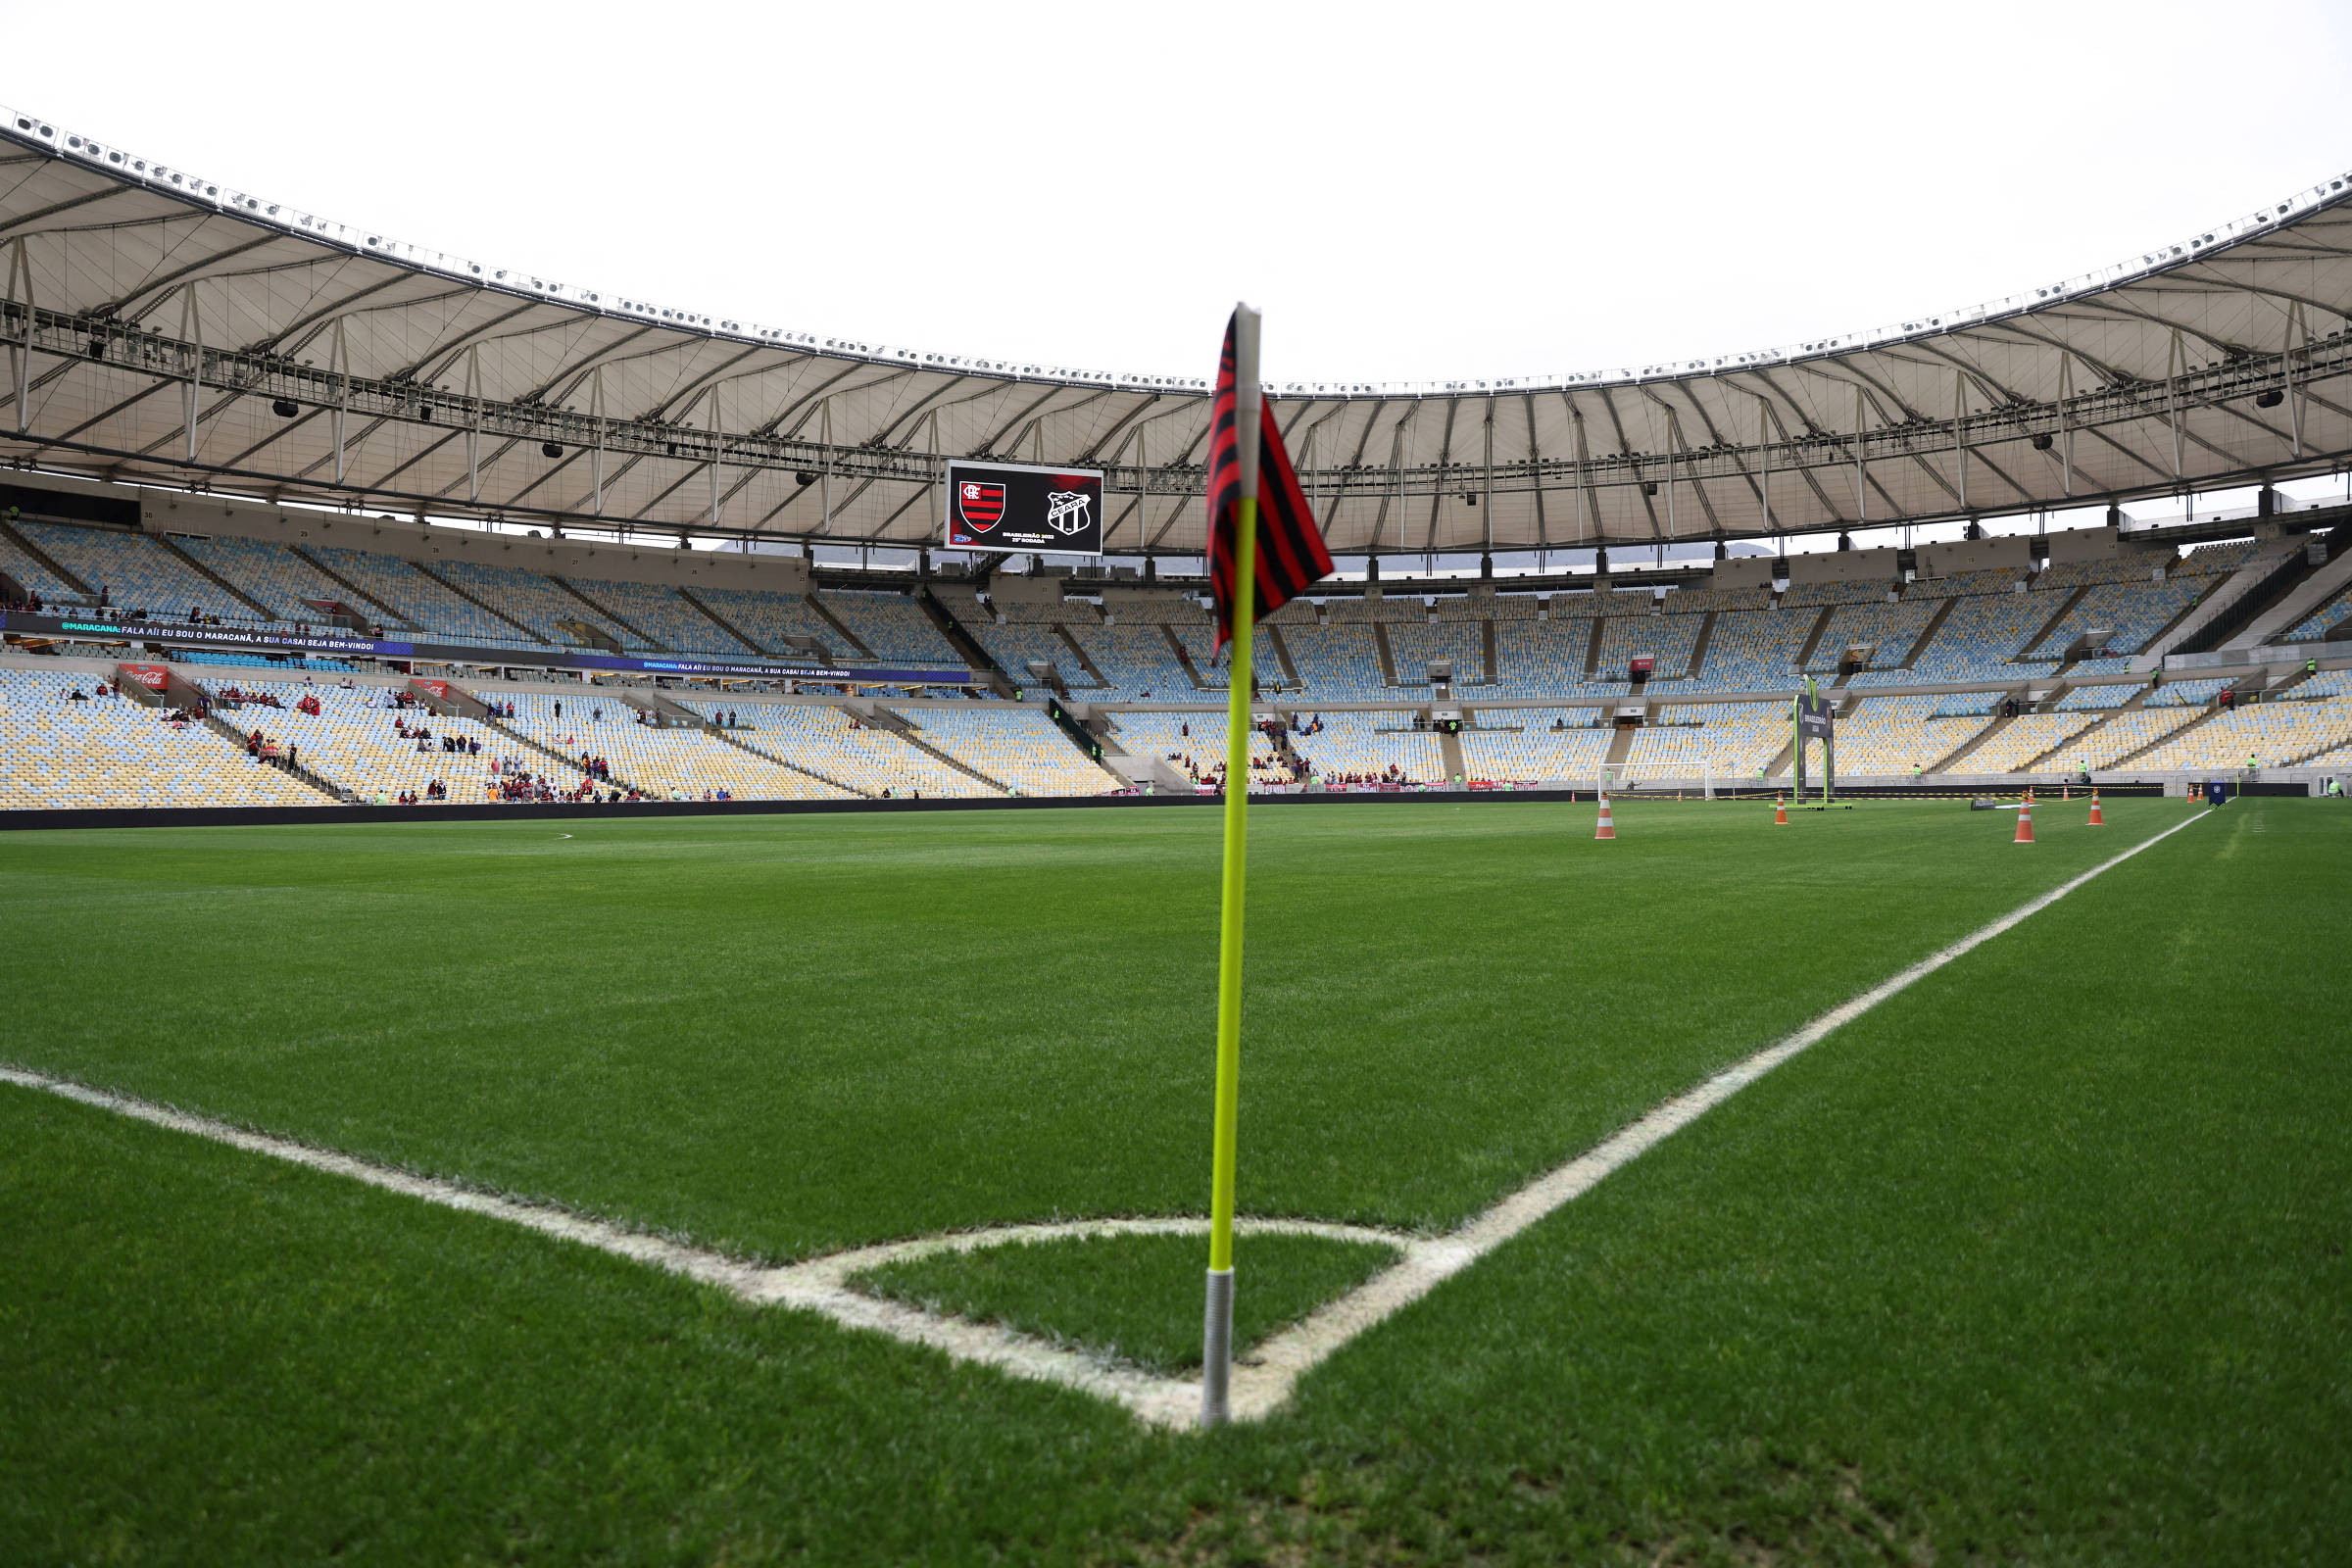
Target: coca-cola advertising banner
point(155, 677)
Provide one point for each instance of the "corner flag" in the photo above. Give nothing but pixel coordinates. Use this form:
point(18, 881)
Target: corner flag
point(1276, 551)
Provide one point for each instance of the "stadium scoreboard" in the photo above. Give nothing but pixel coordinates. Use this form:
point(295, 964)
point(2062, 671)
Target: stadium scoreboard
point(1009, 507)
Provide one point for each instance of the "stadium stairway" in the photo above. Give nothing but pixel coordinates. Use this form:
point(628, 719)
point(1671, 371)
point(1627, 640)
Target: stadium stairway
point(1084, 662)
point(1699, 644)
point(2301, 600)
point(849, 638)
point(2080, 737)
point(1621, 743)
point(1804, 654)
point(735, 631)
point(2212, 712)
point(678, 713)
point(1927, 633)
point(1593, 643)
point(882, 717)
point(1969, 747)
point(1387, 655)
point(383, 612)
point(47, 562)
point(631, 628)
point(1450, 744)
point(293, 768)
point(446, 581)
point(1289, 669)
point(965, 644)
point(2210, 619)
point(259, 611)
point(1184, 657)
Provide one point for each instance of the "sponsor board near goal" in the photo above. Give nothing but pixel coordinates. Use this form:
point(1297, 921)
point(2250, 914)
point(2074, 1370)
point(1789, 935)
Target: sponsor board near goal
point(999, 506)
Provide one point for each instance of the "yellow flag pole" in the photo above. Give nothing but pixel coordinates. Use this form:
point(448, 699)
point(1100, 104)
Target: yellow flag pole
point(1216, 1347)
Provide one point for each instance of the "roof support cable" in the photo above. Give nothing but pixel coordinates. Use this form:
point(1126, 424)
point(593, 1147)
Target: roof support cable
point(2066, 427)
point(2172, 398)
point(473, 425)
point(1861, 463)
point(338, 360)
point(596, 469)
point(191, 333)
point(2287, 364)
point(1960, 432)
point(22, 350)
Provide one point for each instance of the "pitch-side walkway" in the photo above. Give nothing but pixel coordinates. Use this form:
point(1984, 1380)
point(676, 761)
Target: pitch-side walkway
point(1263, 1379)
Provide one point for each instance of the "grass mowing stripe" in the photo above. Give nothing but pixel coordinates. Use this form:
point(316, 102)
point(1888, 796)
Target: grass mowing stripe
point(1258, 1389)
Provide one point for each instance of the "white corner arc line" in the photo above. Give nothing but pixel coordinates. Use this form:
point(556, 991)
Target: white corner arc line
point(1261, 1380)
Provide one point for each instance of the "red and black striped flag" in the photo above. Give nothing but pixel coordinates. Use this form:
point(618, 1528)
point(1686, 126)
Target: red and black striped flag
point(1289, 547)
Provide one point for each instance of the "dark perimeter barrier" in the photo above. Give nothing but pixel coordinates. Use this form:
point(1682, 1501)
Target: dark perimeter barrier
point(637, 810)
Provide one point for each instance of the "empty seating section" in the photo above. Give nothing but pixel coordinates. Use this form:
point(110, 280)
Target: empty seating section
point(35, 577)
point(416, 600)
point(273, 576)
point(1980, 639)
point(1019, 747)
point(1137, 662)
point(1015, 647)
point(1699, 601)
point(1892, 735)
point(1541, 657)
point(351, 739)
point(2132, 612)
point(1361, 611)
point(2208, 560)
point(1967, 705)
point(673, 764)
point(2114, 569)
point(1964, 586)
point(1414, 645)
point(767, 618)
point(1201, 751)
point(2130, 730)
point(1690, 740)
point(136, 573)
point(1891, 630)
point(2114, 694)
point(1666, 640)
point(1754, 649)
point(2186, 693)
point(1336, 663)
point(1535, 751)
point(894, 626)
point(532, 600)
point(1051, 612)
point(1838, 593)
point(208, 655)
point(110, 750)
point(1351, 746)
point(2317, 625)
point(2270, 734)
point(2025, 738)
point(663, 614)
point(2327, 683)
point(828, 740)
point(1487, 607)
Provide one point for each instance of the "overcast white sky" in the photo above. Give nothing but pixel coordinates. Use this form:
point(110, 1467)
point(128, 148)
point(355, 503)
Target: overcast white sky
point(1412, 193)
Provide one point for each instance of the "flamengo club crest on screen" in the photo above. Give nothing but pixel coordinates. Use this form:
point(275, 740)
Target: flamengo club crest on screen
point(980, 504)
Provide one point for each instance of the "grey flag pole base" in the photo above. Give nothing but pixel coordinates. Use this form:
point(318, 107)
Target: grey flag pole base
point(1216, 1350)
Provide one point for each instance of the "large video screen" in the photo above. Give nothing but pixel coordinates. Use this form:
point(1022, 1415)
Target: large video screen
point(999, 506)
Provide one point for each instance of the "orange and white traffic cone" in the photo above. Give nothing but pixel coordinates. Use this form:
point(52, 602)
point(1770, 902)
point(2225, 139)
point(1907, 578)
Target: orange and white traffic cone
point(1606, 827)
point(2096, 820)
point(1780, 810)
point(2025, 820)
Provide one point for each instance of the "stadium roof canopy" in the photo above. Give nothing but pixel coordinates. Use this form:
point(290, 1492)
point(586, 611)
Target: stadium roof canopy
point(165, 328)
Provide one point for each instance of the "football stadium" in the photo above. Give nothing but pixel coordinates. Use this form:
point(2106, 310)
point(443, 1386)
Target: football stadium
point(639, 937)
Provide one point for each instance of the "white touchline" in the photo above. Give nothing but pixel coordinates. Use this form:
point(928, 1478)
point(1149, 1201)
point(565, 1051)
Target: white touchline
point(1261, 1380)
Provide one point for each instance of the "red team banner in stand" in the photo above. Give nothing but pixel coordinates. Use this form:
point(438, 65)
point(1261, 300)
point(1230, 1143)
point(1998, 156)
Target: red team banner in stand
point(1009, 507)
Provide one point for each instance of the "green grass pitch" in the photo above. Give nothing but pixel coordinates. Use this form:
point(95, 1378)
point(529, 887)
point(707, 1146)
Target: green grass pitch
point(2042, 1260)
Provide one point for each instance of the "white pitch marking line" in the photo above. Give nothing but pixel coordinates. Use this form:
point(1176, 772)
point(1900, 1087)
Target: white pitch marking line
point(1261, 1380)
